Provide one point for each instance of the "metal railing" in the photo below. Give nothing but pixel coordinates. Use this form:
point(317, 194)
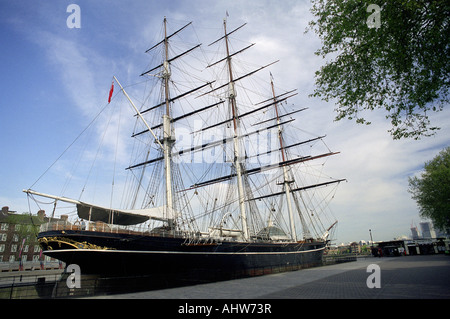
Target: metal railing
point(29, 284)
point(141, 229)
point(94, 226)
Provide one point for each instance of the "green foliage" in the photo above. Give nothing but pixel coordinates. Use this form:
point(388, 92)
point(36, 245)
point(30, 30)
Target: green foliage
point(431, 190)
point(401, 67)
point(29, 227)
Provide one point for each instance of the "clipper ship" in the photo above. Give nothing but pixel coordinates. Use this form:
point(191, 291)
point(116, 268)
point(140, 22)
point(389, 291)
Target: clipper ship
point(237, 212)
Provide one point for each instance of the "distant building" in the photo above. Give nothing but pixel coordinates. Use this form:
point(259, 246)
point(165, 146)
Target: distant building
point(422, 246)
point(415, 233)
point(427, 230)
point(18, 242)
point(355, 248)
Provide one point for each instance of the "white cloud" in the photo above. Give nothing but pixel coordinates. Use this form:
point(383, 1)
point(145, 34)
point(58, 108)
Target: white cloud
point(77, 66)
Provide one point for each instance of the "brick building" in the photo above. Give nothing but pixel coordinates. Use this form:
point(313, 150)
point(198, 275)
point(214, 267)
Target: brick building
point(18, 243)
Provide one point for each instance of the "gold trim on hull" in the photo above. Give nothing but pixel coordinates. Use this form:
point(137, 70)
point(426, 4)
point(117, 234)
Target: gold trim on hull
point(69, 242)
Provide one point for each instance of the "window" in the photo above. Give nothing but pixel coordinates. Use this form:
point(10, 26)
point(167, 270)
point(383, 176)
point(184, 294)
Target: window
point(37, 248)
point(13, 248)
point(3, 237)
point(36, 258)
point(12, 258)
point(15, 237)
point(25, 249)
point(2, 248)
point(4, 226)
point(17, 228)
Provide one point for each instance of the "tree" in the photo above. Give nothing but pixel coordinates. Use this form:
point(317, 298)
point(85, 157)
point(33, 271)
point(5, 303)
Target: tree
point(431, 190)
point(390, 55)
point(25, 227)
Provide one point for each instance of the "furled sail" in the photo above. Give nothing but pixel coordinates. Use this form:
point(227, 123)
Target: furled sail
point(120, 217)
point(111, 216)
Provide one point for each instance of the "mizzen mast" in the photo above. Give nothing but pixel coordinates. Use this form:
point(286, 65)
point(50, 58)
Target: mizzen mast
point(286, 180)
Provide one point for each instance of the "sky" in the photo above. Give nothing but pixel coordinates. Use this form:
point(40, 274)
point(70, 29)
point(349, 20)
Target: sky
point(54, 78)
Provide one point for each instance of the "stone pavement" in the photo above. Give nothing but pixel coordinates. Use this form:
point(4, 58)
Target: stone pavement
point(410, 277)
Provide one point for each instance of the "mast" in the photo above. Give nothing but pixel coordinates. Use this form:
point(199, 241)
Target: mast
point(237, 155)
point(286, 181)
point(168, 138)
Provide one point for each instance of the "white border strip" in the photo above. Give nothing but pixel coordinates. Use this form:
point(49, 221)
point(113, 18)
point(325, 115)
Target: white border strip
point(183, 252)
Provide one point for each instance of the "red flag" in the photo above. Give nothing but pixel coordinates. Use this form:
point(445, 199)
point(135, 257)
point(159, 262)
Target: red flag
point(111, 92)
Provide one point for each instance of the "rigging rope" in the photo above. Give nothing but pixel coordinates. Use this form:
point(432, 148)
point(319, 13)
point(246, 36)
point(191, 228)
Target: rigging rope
point(71, 144)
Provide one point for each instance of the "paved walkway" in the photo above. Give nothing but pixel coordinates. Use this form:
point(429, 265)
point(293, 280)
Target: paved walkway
point(411, 277)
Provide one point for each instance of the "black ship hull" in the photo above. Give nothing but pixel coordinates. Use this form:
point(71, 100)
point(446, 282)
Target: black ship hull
point(110, 254)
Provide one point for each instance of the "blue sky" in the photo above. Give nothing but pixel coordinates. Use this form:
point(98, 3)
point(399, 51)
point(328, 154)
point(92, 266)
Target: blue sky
point(54, 79)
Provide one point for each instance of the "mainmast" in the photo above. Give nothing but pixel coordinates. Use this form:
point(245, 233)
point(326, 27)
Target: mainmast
point(237, 155)
point(168, 138)
point(286, 180)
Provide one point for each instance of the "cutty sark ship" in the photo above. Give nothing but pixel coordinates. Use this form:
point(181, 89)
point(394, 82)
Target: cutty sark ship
point(247, 207)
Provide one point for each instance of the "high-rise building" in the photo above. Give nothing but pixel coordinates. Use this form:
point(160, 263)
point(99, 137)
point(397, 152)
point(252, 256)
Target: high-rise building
point(427, 230)
point(415, 233)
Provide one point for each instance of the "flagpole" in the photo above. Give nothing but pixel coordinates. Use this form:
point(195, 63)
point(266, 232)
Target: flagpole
point(139, 113)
